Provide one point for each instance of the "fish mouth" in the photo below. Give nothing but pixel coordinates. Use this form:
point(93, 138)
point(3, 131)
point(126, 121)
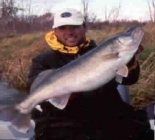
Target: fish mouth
point(131, 39)
point(136, 33)
point(137, 36)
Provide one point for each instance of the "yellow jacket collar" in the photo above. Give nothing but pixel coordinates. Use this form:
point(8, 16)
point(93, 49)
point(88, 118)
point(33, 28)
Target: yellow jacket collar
point(53, 42)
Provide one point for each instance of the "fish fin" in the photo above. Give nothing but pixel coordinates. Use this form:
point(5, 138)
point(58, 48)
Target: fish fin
point(60, 102)
point(20, 122)
point(123, 71)
point(38, 107)
point(119, 78)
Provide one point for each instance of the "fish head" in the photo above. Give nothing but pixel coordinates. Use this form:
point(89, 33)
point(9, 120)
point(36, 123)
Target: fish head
point(128, 41)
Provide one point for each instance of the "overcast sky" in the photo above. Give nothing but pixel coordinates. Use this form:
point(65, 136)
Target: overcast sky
point(130, 9)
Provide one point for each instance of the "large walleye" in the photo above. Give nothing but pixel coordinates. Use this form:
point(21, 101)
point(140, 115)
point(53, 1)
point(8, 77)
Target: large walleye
point(90, 71)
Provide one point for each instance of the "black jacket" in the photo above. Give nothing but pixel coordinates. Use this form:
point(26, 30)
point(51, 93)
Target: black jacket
point(85, 113)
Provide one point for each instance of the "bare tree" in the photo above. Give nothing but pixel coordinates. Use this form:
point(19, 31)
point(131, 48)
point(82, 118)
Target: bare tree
point(92, 17)
point(85, 4)
point(16, 18)
point(8, 12)
point(113, 14)
point(151, 6)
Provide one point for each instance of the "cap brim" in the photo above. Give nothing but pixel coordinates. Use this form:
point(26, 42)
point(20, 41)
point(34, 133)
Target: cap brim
point(67, 22)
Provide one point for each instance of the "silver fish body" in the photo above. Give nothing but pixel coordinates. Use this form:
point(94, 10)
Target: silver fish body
point(90, 71)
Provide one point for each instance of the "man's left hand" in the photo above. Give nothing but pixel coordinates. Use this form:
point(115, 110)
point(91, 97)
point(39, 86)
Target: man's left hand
point(140, 49)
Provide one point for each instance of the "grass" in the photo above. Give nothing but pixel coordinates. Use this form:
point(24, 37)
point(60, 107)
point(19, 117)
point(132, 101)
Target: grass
point(17, 52)
point(144, 55)
point(143, 91)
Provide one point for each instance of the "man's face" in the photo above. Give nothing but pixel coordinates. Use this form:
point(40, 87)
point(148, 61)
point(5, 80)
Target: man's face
point(70, 35)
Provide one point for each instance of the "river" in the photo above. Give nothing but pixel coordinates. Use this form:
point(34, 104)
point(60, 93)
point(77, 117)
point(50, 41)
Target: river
point(6, 131)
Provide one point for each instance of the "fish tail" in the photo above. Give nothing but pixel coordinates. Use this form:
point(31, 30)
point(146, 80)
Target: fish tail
point(20, 122)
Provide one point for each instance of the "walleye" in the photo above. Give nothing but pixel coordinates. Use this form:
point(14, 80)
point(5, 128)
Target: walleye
point(90, 71)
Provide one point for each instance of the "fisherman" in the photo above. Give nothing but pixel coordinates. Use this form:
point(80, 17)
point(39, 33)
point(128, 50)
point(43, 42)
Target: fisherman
point(98, 114)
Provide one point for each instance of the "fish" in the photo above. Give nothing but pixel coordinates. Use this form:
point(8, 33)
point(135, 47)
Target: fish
point(88, 72)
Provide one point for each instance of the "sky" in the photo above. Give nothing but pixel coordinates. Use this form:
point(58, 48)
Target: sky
point(130, 9)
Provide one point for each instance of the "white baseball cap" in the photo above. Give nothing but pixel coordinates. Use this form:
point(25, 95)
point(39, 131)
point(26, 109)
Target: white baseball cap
point(68, 16)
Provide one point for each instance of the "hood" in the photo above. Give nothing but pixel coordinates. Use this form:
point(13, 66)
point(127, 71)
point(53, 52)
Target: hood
point(53, 42)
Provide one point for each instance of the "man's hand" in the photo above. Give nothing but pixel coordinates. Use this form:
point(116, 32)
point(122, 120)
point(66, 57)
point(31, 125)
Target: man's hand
point(140, 49)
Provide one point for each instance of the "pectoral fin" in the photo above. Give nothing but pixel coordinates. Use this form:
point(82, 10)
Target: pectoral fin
point(60, 102)
point(123, 71)
point(20, 122)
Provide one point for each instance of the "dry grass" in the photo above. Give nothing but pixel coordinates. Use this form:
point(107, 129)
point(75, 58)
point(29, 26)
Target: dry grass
point(17, 52)
point(143, 91)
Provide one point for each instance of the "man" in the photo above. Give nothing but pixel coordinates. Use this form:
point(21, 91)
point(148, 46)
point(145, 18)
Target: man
point(99, 114)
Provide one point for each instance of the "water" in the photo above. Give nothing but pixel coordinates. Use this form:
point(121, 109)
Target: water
point(6, 131)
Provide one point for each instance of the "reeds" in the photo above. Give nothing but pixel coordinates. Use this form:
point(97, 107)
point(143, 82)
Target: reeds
point(143, 91)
